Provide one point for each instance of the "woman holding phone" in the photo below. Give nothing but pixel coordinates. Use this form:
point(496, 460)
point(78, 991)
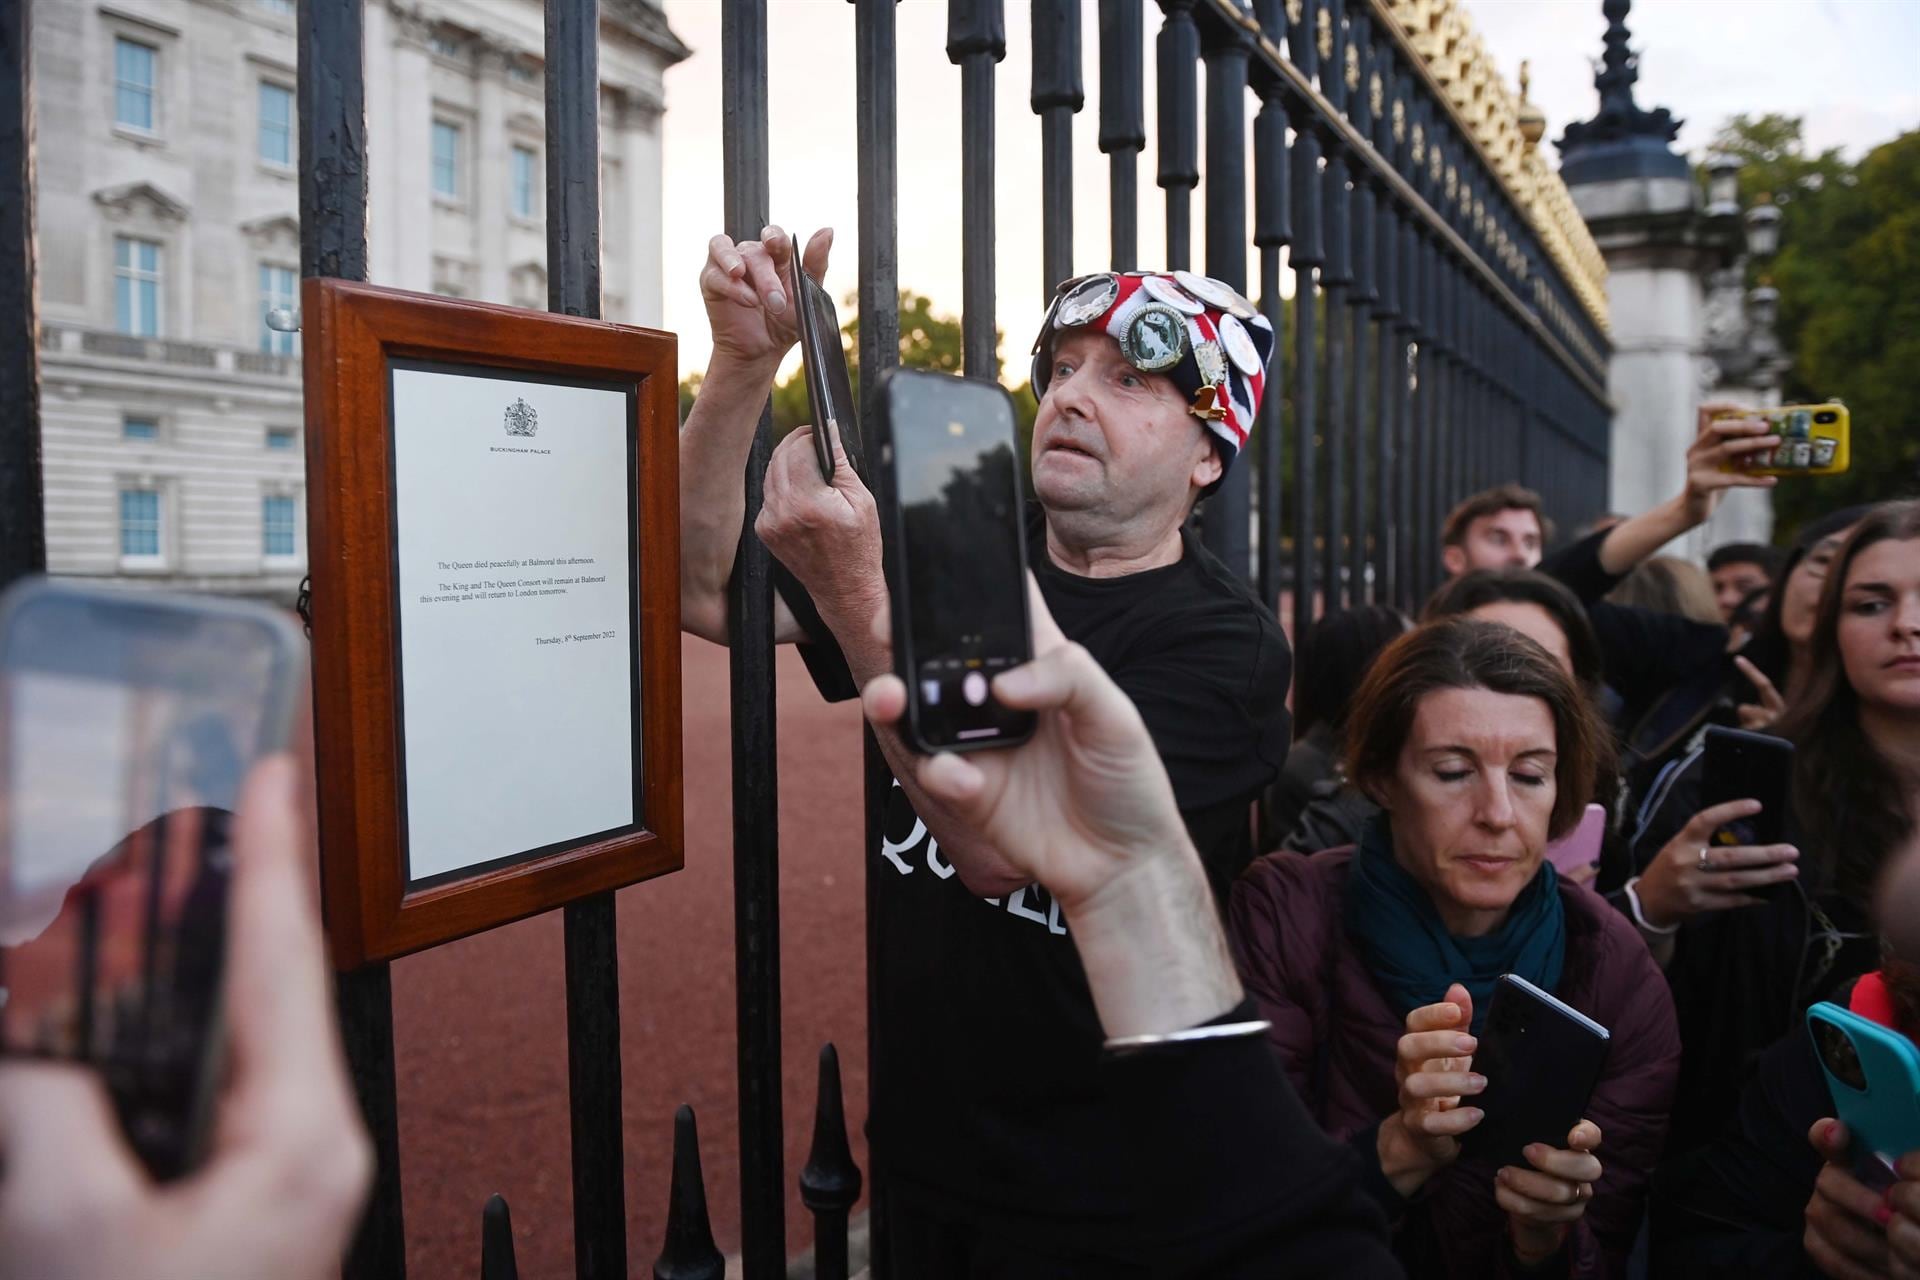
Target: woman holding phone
point(1742, 978)
point(1375, 963)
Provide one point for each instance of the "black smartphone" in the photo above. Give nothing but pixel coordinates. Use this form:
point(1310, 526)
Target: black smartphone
point(956, 549)
point(128, 720)
point(1741, 765)
point(824, 362)
point(1541, 1058)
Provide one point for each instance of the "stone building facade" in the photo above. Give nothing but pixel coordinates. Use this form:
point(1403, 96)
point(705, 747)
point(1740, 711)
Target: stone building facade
point(168, 230)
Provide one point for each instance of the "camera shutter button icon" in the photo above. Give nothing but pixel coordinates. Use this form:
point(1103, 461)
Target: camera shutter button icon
point(974, 688)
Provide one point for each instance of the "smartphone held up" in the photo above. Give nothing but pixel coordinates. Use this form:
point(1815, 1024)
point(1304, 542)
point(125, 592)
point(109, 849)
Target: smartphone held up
point(128, 721)
point(951, 512)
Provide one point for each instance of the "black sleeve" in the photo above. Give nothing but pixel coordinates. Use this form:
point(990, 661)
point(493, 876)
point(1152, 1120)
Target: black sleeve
point(820, 651)
point(1243, 1181)
point(1737, 1206)
point(1577, 566)
point(1644, 653)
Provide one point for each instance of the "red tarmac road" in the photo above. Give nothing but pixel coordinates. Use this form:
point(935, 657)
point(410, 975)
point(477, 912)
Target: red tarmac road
point(481, 1024)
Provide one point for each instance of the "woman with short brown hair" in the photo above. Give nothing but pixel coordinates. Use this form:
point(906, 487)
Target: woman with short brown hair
point(1375, 963)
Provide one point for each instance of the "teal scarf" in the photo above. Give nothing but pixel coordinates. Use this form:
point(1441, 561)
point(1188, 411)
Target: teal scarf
point(1412, 956)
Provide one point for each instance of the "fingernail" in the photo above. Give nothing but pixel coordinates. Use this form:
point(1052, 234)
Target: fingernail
point(1463, 1044)
point(1476, 1082)
point(776, 301)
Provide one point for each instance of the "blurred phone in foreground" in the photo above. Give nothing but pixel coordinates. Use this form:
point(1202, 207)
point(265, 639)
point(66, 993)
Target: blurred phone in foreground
point(1579, 849)
point(1815, 440)
point(951, 515)
point(128, 721)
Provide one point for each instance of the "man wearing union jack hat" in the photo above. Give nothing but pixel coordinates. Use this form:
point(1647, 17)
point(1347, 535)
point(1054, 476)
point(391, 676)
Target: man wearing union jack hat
point(985, 1110)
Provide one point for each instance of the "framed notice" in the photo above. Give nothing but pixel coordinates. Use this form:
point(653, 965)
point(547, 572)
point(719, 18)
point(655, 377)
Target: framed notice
point(493, 500)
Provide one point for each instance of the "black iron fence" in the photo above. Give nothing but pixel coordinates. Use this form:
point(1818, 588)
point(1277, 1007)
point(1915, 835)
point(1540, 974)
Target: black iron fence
point(1436, 348)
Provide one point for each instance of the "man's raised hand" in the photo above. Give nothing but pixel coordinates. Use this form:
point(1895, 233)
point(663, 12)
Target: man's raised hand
point(748, 289)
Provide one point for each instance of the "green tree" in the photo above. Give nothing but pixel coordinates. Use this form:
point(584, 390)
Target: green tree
point(1848, 272)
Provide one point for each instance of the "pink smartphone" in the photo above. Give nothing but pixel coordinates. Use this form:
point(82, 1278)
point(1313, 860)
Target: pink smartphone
point(1580, 847)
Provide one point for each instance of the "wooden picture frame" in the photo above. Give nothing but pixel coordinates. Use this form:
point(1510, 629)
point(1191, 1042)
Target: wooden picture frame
point(363, 342)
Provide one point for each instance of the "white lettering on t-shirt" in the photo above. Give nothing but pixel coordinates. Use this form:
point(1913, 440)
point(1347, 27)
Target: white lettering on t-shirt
point(1032, 902)
point(891, 851)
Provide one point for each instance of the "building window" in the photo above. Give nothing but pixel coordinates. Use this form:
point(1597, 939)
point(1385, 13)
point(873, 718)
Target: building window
point(139, 428)
point(444, 45)
point(276, 526)
point(133, 83)
point(276, 124)
point(446, 159)
point(140, 524)
point(277, 286)
point(281, 438)
point(526, 167)
point(136, 286)
point(279, 8)
point(520, 71)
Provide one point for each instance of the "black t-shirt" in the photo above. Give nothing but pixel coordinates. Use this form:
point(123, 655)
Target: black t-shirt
point(987, 1085)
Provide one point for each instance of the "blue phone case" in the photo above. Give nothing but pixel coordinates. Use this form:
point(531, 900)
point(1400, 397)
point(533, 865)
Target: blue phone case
point(1881, 1104)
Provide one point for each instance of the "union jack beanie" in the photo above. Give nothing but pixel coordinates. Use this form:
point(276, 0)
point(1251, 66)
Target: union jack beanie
point(1196, 330)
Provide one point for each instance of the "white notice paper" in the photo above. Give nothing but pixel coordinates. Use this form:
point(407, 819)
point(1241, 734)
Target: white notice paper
point(516, 661)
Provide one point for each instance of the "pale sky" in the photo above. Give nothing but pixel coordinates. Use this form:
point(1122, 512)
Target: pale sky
point(1847, 65)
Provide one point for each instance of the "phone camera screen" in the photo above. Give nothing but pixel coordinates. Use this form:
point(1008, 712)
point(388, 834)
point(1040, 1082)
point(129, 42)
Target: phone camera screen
point(958, 487)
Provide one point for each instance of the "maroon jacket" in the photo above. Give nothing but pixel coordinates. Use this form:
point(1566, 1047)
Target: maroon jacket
point(1336, 1036)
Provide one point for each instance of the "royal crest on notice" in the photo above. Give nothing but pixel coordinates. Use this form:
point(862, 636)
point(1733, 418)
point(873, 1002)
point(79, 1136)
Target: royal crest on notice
point(521, 419)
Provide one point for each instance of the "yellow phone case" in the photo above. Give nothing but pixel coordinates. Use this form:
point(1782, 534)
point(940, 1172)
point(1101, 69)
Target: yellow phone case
point(1813, 440)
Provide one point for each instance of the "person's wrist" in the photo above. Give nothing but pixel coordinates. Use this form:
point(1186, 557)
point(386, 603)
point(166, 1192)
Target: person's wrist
point(1150, 942)
point(731, 367)
point(1658, 909)
point(1534, 1243)
point(1404, 1163)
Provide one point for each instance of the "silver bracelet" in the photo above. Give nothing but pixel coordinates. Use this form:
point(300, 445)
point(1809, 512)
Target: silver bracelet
point(1217, 1031)
point(1633, 901)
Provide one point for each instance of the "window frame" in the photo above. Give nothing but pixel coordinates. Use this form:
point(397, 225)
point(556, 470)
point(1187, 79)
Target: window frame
point(139, 560)
point(133, 275)
point(456, 192)
point(269, 527)
point(288, 126)
point(534, 206)
point(272, 341)
point(151, 129)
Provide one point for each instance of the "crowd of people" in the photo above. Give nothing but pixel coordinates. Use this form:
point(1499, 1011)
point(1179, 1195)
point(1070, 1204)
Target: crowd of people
point(1194, 981)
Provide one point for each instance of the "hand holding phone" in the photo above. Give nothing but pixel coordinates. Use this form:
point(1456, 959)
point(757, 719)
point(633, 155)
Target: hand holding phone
point(1541, 1058)
point(1873, 1075)
point(1814, 440)
point(824, 364)
point(127, 723)
point(951, 512)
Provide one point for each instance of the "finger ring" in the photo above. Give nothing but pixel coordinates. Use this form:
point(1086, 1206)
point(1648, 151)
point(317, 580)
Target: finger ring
point(1703, 859)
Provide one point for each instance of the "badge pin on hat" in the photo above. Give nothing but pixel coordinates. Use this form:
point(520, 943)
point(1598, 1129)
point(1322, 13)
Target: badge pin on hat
point(1157, 339)
point(1089, 299)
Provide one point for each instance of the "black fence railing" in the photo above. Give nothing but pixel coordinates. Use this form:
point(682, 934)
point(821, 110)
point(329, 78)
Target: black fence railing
point(1435, 348)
